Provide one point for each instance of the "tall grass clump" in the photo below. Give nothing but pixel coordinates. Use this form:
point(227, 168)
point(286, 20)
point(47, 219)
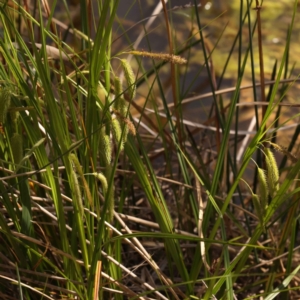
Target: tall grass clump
point(133, 166)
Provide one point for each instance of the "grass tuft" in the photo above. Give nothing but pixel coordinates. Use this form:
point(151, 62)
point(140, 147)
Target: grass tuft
point(127, 173)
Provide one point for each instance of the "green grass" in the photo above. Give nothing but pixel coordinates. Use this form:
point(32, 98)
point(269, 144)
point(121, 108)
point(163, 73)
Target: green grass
point(110, 189)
